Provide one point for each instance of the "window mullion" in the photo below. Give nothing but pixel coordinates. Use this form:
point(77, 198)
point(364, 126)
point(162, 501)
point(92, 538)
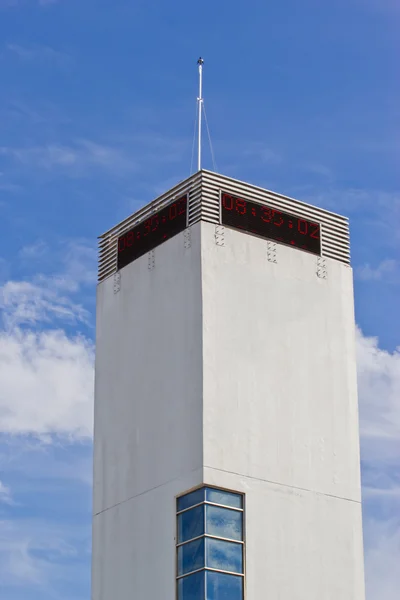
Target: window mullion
point(224, 555)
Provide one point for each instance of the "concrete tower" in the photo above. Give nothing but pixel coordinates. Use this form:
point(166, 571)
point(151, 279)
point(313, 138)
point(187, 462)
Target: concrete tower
point(226, 445)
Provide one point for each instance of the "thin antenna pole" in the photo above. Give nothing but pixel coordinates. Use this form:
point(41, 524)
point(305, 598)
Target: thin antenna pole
point(200, 107)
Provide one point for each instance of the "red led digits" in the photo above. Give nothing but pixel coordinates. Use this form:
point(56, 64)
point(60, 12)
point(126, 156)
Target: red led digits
point(269, 223)
point(173, 211)
point(315, 232)
point(227, 202)
point(147, 227)
point(148, 234)
point(302, 226)
point(278, 218)
point(267, 214)
point(154, 222)
point(182, 206)
point(241, 206)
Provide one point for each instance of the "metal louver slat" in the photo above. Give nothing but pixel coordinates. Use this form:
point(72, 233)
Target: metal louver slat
point(203, 190)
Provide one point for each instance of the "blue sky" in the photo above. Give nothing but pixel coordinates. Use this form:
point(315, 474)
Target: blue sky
point(97, 104)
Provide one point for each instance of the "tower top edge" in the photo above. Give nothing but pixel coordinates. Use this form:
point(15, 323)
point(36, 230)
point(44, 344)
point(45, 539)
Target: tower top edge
point(223, 182)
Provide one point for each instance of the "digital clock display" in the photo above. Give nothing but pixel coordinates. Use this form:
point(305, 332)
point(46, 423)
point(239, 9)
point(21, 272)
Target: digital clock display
point(270, 223)
point(152, 232)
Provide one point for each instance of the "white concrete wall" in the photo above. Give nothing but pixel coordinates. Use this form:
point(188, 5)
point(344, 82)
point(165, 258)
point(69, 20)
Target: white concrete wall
point(148, 419)
point(281, 415)
point(219, 366)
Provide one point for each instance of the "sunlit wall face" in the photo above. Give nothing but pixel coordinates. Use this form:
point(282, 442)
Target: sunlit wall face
point(210, 545)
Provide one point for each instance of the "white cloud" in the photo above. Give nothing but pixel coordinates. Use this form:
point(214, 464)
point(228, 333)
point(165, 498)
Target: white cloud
point(17, 3)
point(34, 251)
point(262, 153)
point(5, 494)
point(46, 375)
point(377, 210)
point(387, 270)
point(36, 553)
point(46, 384)
point(17, 564)
point(382, 559)
point(24, 302)
point(80, 158)
point(75, 158)
point(7, 186)
point(38, 52)
point(46, 297)
point(379, 392)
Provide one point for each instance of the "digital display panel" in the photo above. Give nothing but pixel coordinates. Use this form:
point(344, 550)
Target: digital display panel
point(152, 232)
point(270, 223)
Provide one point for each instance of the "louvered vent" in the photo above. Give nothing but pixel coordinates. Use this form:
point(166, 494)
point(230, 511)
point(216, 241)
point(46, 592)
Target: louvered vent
point(203, 191)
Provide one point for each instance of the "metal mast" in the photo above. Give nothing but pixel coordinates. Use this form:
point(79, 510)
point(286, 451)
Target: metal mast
point(200, 107)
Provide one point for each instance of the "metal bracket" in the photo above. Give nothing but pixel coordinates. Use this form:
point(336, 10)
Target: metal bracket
point(187, 236)
point(322, 270)
point(152, 259)
point(220, 235)
point(271, 252)
point(117, 282)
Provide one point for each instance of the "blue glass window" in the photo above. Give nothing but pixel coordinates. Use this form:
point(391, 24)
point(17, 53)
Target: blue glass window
point(210, 536)
point(225, 498)
point(191, 556)
point(196, 497)
point(224, 556)
point(191, 587)
point(223, 522)
point(191, 524)
point(220, 586)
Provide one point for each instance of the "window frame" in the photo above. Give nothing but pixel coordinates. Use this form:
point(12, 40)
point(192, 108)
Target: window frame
point(206, 535)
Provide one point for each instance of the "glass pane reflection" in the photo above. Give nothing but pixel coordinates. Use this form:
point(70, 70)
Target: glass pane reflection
point(190, 499)
point(191, 587)
point(223, 522)
point(191, 524)
point(220, 586)
point(225, 556)
point(226, 498)
point(191, 556)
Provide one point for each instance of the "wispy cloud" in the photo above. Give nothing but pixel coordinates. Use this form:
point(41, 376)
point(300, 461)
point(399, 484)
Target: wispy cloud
point(261, 152)
point(319, 169)
point(38, 53)
point(18, 3)
point(8, 186)
point(39, 553)
point(83, 157)
point(387, 270)
point(5, 494)
point(389, 7)
point(50, 297)
point(377, 210)
point(34, 251)
point(382, 558)
point(379, 389)
point(34, 116)
point(25, 302)
point(75, 158)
